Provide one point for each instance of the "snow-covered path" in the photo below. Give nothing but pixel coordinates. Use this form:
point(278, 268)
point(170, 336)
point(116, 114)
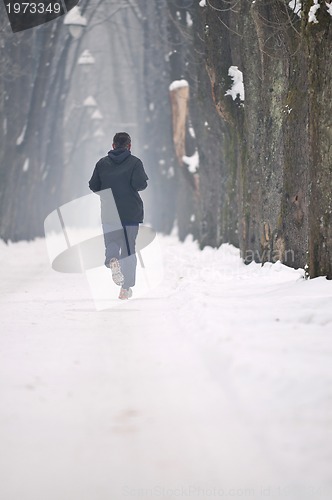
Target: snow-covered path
point(216, 385)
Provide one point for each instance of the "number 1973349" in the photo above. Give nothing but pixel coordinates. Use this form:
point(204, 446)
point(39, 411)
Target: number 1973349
point(33, 8)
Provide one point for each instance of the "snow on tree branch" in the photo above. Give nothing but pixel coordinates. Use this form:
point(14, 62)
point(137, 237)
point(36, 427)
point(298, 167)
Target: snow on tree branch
point(312, 12)
point(237, 88)
point(296, 6)
point(329, 8)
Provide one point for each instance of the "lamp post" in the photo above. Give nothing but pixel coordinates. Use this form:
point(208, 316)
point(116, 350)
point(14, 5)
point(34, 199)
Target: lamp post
point(76, 22)
point(97, 116)
point(90, 104)
point(99, 136)
point(86, 60)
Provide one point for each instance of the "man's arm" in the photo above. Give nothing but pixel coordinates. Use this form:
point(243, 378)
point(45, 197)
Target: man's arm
point(95, 183)
point(139, 177)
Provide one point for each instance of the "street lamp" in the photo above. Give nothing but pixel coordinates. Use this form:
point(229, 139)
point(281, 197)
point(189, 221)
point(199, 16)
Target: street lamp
point(75, 21)
point(97, 116)
point(99, 134)
point(86, 60)
point(90, 104)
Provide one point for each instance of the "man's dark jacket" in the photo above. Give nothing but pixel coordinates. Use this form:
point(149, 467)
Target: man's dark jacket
point(124, 174)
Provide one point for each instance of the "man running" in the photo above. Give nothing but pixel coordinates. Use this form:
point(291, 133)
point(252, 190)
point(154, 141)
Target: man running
point(120, 175)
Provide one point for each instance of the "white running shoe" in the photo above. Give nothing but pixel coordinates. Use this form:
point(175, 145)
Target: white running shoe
point(125, 294)
point(117, 275)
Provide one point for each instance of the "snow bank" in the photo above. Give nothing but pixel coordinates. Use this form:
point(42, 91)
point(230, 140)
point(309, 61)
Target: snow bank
point(224, 367)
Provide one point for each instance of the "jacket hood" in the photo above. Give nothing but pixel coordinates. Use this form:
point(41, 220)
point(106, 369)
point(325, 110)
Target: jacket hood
point(119, 155)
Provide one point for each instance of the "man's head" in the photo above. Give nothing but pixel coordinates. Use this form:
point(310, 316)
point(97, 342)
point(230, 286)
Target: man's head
point(122, 140)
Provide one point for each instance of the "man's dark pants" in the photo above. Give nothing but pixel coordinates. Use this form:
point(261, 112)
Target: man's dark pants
point(120, 244)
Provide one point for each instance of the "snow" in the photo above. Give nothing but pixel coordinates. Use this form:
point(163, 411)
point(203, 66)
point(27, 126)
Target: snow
point(312, 12)
point(189, 20)
point(192, 162)
point(217, 384)
point(287, 109)
point(202, 3)
point(25, 167)
point(329, 8)
point(237, 88)
point(21, 137)
point(176, 84)
point(296, 6)
point(191, 131)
